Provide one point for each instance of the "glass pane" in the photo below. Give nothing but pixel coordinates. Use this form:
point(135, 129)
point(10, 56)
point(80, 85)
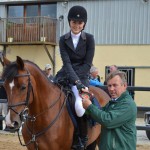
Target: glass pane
point(32, 10)
point(15, 11)
point(48, 10)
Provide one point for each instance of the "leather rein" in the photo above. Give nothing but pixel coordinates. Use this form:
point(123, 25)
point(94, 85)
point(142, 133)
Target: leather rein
point(24, 113)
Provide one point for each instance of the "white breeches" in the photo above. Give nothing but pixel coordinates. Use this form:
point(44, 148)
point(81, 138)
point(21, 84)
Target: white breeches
point(78, 102)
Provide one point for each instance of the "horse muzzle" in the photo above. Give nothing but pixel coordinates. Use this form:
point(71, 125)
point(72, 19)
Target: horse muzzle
point(13, 124)
point(14, 127)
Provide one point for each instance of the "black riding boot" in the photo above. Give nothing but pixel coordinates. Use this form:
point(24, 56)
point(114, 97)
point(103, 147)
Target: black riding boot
point(83, 128)
point(77, 143)
point(81, 138)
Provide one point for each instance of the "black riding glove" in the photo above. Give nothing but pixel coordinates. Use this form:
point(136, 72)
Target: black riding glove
point(79, 86)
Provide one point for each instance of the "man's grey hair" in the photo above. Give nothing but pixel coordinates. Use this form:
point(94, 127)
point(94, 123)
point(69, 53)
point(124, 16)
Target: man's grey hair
point(121, 74)
point(93, 69)
point(114, 66)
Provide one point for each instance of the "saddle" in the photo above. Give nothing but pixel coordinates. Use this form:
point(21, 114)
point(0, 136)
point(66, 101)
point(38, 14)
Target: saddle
point(65, 85)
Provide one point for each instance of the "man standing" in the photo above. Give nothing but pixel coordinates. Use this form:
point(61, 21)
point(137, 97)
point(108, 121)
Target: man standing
point(118, 117)
point(48, 69)
point(113, 68)
point(3, 106)
point(94, 77)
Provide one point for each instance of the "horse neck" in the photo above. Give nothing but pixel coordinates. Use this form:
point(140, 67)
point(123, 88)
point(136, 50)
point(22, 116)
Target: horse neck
point(44, 91)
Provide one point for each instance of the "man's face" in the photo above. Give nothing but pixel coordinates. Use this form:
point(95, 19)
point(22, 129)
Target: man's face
point(94, 74)
point(48, 71)
point(112, 68)
point(116, 87)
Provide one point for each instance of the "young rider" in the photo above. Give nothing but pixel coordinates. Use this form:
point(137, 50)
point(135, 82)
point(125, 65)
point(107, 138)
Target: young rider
point(77, 50)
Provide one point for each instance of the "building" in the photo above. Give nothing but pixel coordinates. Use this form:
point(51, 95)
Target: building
point(31, 29)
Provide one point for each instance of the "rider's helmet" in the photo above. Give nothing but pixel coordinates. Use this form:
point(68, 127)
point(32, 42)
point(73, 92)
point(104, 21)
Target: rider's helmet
point(77, 13)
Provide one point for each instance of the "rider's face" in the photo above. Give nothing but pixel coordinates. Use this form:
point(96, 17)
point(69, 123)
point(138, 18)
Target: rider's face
point(76, 26)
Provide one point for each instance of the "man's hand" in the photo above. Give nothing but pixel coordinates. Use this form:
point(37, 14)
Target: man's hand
point(86, 102)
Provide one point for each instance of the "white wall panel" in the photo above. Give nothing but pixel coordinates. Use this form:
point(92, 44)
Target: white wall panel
point(113, 21)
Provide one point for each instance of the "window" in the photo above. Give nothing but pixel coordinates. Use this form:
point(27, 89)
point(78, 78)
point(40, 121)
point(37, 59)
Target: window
point(49, 10)
point(130, 72)
point(15, 11)
point(31, 10)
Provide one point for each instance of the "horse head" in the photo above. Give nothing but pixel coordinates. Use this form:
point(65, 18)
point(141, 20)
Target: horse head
point(17, 83)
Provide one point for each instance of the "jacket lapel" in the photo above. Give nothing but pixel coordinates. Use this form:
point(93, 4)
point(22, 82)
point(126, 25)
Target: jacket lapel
point(68, 41)
point(82, 41)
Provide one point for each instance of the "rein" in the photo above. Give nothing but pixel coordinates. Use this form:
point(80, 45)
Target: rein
point(34, 136)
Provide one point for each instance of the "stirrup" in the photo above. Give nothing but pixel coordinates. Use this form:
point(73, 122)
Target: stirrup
point(78, 145)
point(84, 141)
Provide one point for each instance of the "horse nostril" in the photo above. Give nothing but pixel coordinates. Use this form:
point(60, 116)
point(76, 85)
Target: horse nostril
point(16, 124)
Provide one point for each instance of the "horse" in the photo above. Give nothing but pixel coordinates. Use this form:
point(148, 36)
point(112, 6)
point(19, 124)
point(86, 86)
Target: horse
point(39, 107)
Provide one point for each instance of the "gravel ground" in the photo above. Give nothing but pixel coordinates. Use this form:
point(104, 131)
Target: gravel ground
point(141, 134)
point(10, 140)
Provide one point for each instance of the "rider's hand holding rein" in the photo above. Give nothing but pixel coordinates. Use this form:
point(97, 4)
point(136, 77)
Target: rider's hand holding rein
point(80, 86)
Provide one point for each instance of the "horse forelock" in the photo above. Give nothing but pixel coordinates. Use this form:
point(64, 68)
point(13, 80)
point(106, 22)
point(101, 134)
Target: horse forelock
point(10, 71)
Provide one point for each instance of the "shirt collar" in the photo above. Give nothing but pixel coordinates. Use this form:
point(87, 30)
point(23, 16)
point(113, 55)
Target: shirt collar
point(114, 99)
point(83, 35)
point(119, 98)
point(75, 35)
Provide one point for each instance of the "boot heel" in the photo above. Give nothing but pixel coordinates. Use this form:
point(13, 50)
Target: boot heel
point(78, 145)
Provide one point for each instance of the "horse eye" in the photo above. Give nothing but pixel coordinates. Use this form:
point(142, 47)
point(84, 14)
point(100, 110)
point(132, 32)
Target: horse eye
point(23, 87)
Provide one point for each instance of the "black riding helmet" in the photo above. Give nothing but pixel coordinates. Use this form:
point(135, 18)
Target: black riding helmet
point(77, 13)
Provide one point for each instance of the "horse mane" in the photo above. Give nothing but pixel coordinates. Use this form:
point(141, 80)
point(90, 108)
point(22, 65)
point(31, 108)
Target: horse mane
point(11, 70)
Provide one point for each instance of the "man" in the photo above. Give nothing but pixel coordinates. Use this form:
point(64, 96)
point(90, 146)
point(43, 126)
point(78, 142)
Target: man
point(94, 77)
point(3, 106)
point(117, 117)
point(48, 69)
point(113, 68)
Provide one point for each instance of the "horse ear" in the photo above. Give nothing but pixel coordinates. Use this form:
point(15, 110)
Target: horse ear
point(4, 61)
point(20, 63)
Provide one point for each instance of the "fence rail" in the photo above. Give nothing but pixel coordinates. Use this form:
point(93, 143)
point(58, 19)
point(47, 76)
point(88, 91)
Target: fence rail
point(130, 88)
point(143, 128)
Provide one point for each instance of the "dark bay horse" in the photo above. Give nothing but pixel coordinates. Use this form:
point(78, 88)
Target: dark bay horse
point(41, 105)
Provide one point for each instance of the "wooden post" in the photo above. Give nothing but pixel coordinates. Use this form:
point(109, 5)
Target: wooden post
point(1, 122)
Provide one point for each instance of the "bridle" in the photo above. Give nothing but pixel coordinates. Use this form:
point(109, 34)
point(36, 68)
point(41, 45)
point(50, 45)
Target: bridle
point(24, 115)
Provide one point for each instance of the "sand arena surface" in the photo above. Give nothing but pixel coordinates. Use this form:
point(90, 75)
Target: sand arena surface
point(9, 141)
